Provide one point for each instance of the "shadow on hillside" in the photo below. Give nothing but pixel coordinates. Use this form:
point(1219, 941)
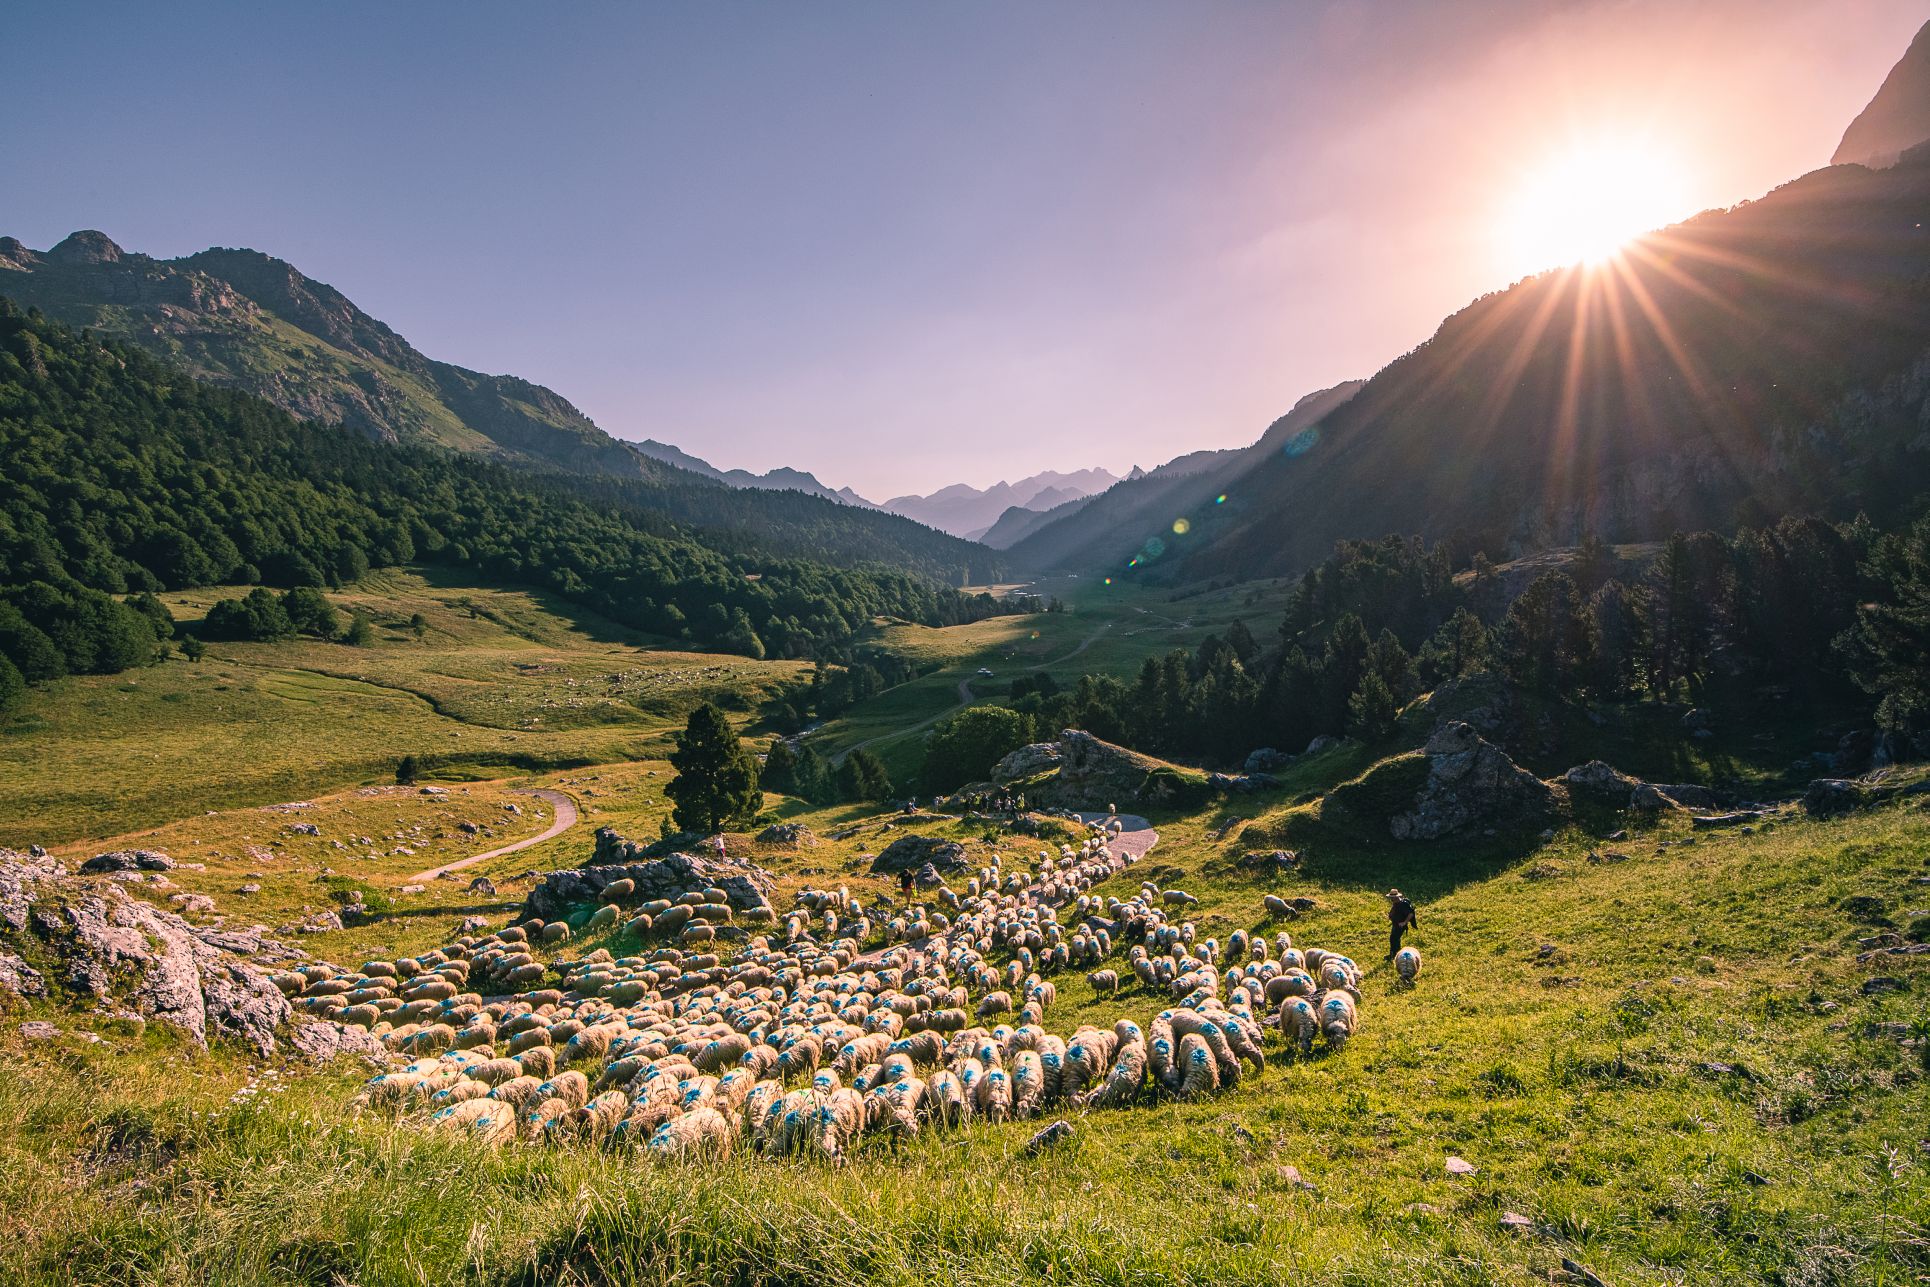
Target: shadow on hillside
point(592, 625)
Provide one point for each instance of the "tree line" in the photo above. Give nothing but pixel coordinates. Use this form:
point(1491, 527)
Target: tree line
point(1832, 611)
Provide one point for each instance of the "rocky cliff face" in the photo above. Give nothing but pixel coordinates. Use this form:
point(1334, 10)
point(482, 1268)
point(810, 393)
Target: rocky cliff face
point(1898, 118)
point(746, 886)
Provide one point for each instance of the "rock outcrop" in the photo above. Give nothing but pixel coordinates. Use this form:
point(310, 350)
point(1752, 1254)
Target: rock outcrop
point(746, 886)
point(794, 834)
point(1027, 762)
point(1095, 774)
point(914, 853)
point(1470, 783)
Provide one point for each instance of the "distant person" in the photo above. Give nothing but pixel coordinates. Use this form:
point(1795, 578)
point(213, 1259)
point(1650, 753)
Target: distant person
point(906, 884)
point(1401, 917)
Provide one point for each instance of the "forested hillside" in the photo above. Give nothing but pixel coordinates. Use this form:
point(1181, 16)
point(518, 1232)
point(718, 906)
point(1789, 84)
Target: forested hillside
point(124, 475)
point(246, 320)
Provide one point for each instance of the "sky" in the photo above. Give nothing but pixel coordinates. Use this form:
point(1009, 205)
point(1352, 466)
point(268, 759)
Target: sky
point(907, 245)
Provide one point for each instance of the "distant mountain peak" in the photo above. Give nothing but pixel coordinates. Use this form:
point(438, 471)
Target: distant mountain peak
point(970, 512)
point(86, 247)
point(1898, 118)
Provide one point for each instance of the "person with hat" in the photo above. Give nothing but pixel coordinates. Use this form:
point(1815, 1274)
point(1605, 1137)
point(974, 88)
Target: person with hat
point(1401, 917)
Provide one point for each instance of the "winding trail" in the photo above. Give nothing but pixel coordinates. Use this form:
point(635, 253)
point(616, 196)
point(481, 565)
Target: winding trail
point(565, 819)
point(1136, 837)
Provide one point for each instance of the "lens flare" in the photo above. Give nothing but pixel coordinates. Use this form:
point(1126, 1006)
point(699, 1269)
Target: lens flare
point(1154, 547)
point(1220, 499)
point(1181, 526)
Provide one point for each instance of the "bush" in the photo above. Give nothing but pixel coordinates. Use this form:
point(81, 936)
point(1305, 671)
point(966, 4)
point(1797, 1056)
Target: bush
point(259, 616)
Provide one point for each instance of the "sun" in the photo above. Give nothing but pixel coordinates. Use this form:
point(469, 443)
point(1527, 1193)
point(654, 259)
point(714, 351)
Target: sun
point(1582, 205)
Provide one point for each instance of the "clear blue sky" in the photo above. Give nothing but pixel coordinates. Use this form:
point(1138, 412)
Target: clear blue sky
point(902, 245)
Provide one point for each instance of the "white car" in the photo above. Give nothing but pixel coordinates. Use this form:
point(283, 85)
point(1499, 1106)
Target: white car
point(985, 670)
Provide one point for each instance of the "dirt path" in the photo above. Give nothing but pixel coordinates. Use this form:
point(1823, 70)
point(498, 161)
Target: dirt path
point(1136, 837)
point(565, 819)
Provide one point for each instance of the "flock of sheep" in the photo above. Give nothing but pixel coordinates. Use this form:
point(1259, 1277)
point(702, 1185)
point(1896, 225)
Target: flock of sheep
point(804, 1042)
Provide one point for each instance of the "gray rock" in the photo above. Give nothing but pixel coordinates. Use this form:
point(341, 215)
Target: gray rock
point(1470, 782)
point(788, 833)
point(914, 853)
point(483, 885)
point(304, 829)
point(20, 979)
point(1027, 762)
point(1600, 781)
point(1834, 797)
point(116, 947)
point(746, 886)
point(19, 873)
point(1266, 760)
point(472, 925)
point(1322, 744)
point(127, 860)
point(39, 1030)
point(1057, 1133)
point(323, 1041)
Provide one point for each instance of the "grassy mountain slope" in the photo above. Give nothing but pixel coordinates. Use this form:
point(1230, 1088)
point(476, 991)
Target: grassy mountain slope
point(1746, 364)
point(1666, 1067)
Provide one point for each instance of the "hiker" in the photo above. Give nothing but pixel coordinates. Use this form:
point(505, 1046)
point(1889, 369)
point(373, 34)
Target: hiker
point(905, 884)
point(1401, 917)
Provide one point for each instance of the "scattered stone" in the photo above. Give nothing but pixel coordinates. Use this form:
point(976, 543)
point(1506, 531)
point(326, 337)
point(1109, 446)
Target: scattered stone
point(468, 828)
point(127, 860)
point(320, 923)
point(1883, 983)
point(323, 1041)
point(1322, 744)
point(304, 829)
point(512, 808)
point(472, 925)
point(1057, 1133)
point(20, 979)
point(194, 904)
point(434, 791)
point(1600, 781)
point(1581, 1275)
point(39, 1030)
point(413, 889)
point(794, 834)
point(483, 885)
point(1460, 1166)
point(913, 853)
point(249, 888)
point(746, 886)
point(1266, 760)
point(1516, 1223)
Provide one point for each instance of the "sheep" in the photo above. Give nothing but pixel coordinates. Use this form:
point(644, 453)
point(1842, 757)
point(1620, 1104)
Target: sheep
point(1104, 981)
point(1276, 905)
point(1199, 1070)
point(1298, 1022)
point(487, 1120)
point(944, 1101)
point(1407, 964)
point(995, 1003)
point(1338, 1019)
point(1128, 1075)
point(703, 1132)
point(993, 1095)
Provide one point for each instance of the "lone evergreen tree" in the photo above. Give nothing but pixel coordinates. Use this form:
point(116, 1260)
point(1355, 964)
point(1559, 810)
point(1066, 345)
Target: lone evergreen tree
point(716, 782)
point(406, 770)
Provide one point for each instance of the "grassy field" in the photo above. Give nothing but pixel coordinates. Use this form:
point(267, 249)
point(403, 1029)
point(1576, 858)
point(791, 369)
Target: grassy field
point(1661, 1051)
point(499, 681)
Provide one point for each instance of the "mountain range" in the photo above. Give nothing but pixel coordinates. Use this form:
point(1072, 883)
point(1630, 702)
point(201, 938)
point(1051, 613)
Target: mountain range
point(971, 512)
point(781, 479)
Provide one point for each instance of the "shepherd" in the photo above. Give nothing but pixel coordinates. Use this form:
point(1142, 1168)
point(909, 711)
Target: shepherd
point(1401, 917)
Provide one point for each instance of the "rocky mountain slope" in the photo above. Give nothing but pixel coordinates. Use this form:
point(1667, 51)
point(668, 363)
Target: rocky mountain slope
point(1898, 118)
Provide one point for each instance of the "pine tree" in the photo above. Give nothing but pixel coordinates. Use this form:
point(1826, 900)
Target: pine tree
point(716, 783)
point(1372, 711)
point(780, 768)
point(862, 777)
point(407, 770)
